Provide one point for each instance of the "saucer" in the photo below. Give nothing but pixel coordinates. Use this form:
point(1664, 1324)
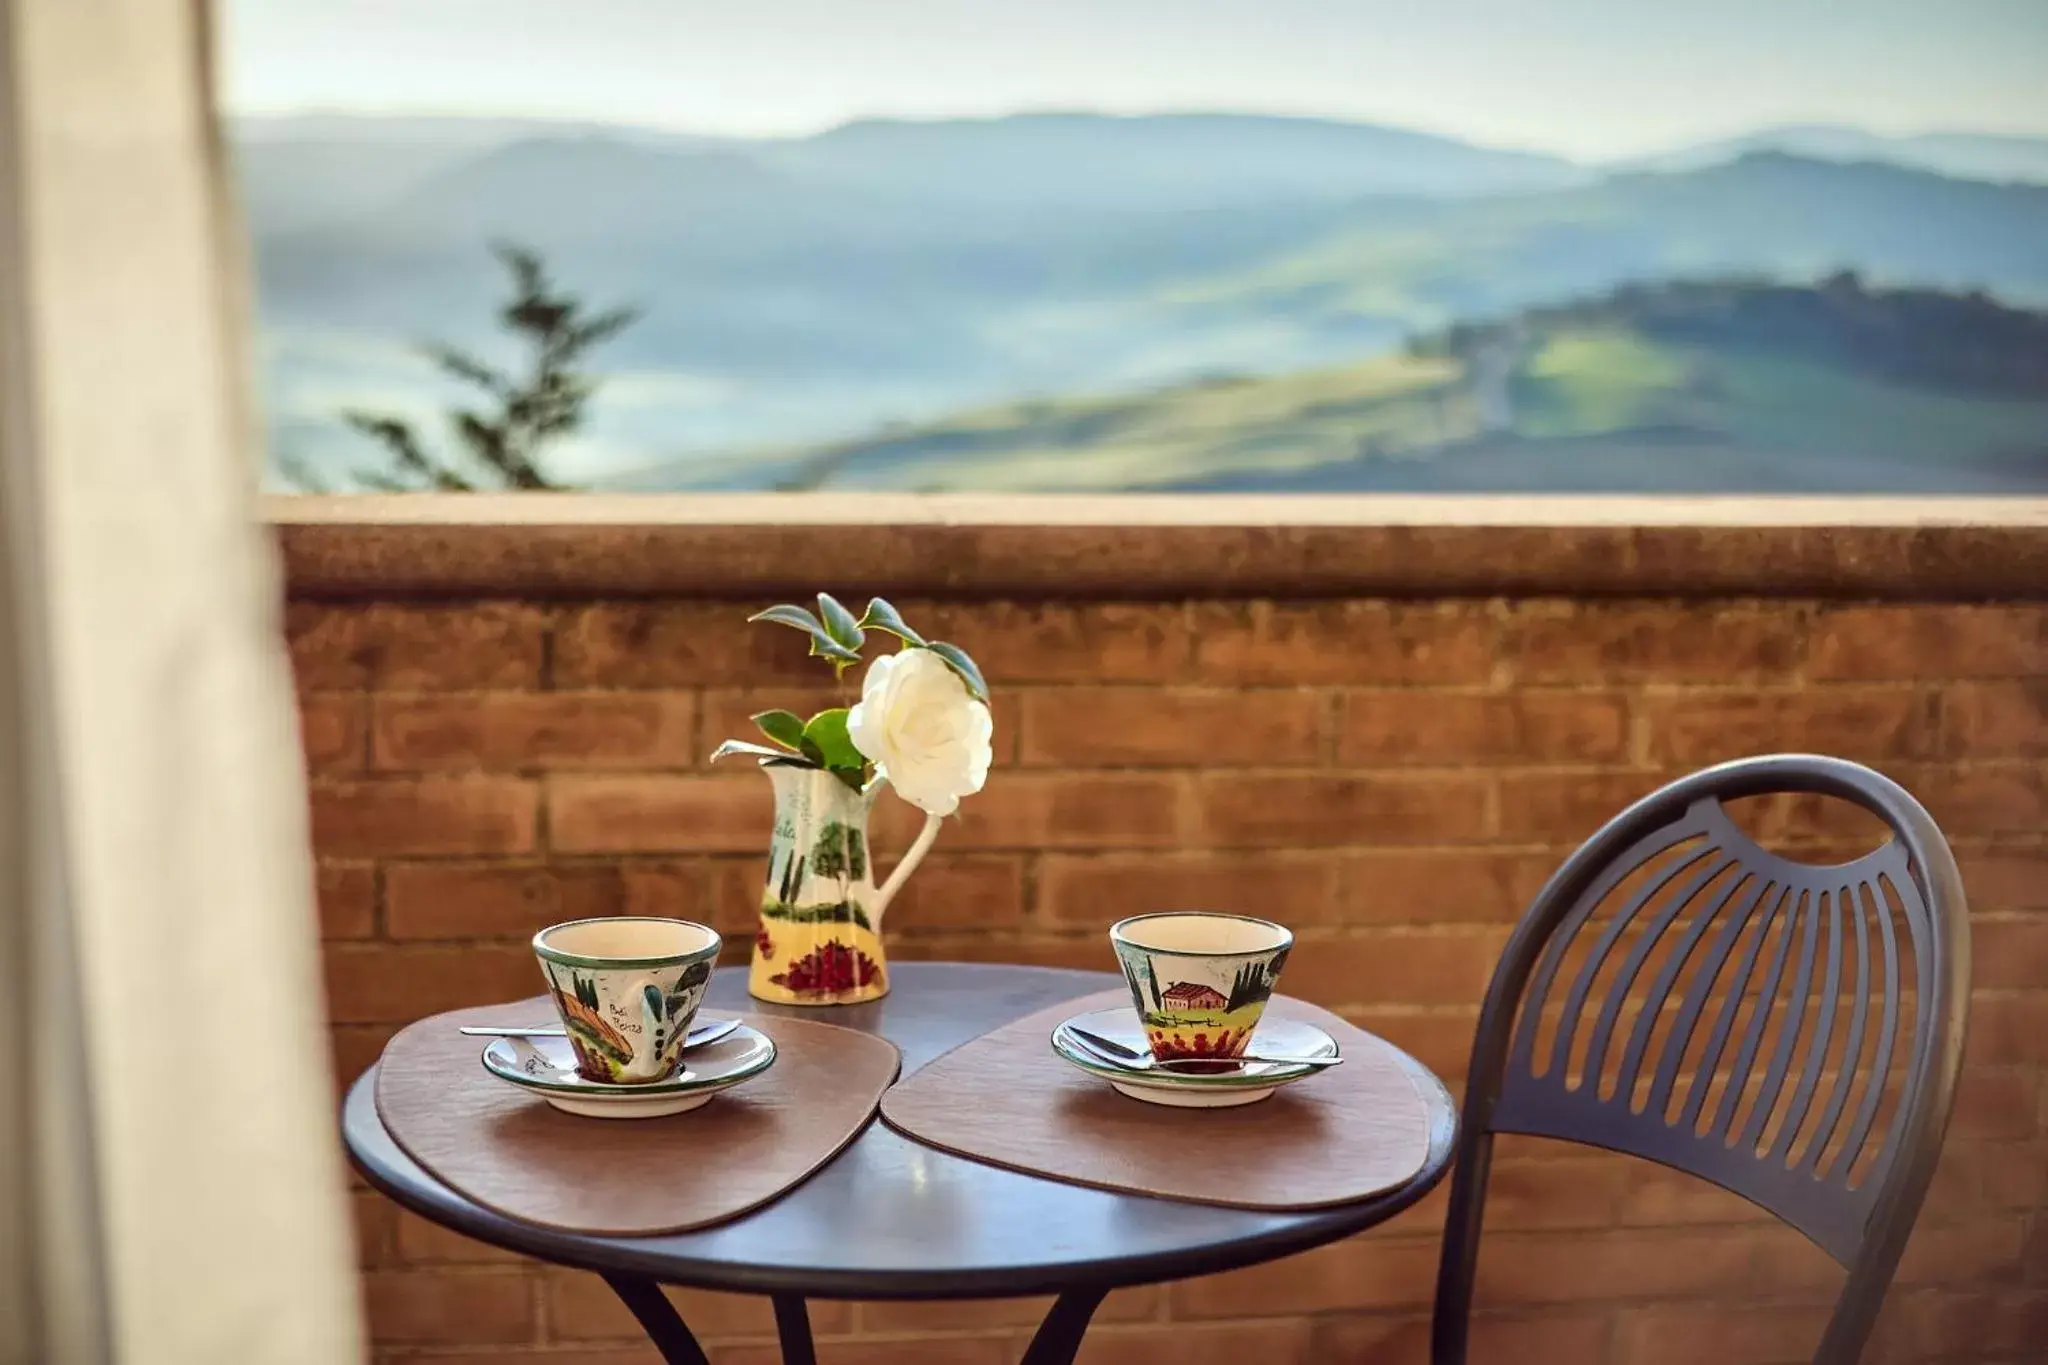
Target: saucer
point(547, 1067)
point(1244, 1083)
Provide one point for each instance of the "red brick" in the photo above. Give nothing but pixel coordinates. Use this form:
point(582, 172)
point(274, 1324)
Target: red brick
point(1995, 1102)
point(1438, 1037)
point(1968, 1254)
point(1807, 827)
point(1090, 953)
point(2011, 1175)
point(1440, 886)
point(1107, 727)
point(1583, 643)
point(347, 895)
point(1269, 1342)
point(389, 647)
point(1307, 811)
point(449, 1306)
point(514, 731)
point(1545, 1186)
point(1097, 891)
point(582, 1307)
point(371, 1215)
point(334, 731)
point(1566, 808)
point(2009, 952)
point(398, 816)
point(659, 814)
point(1392, 727)
point(2005, 879)
point(1976, 1324)
point(1599, 1267)
point(374, 984)
point(737, 887)
point(1033, 811)
point(1395, 966)
point(1052, 642)
point(460, 900)
point(1694, 729)
point(354, 1047)
point(1303, 644)
point(1656, 1196)
point(946, 892)
point(1981, 801)
point(1945, 640)
point(1551, 1339)
point(1996, 720)
point(679, 644)
point(421, 1242)
point(1361, 1272)
point(1712, 1334)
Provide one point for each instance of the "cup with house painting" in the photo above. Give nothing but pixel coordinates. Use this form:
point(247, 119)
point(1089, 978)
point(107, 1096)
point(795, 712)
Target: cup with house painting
point(626, 989)
point(1200, 980)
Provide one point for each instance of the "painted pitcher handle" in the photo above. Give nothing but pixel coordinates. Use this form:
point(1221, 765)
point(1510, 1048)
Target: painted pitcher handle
point(905, 865)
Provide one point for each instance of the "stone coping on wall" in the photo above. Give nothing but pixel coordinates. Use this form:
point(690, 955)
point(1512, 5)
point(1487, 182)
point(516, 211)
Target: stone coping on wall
point(1140, 547)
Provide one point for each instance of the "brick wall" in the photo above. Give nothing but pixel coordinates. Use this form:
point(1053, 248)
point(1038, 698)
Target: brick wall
point(1393, 778)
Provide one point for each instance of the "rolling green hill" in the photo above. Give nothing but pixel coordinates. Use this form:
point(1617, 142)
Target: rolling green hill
point(1681, 388)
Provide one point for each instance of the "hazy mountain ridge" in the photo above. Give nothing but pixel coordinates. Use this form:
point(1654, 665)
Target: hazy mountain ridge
point(799, 289)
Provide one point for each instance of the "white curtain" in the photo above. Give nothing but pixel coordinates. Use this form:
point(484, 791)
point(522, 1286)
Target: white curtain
point(171, 1187)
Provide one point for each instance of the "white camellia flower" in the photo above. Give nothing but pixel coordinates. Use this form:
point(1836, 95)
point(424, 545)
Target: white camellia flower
point(923, 730)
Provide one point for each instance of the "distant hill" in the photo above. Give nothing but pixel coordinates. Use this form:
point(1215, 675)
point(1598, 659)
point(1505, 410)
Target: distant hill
point(1153, 162)
point(799, 290)
point(1721, 386)
point(1968, 156)
point(1429, 263)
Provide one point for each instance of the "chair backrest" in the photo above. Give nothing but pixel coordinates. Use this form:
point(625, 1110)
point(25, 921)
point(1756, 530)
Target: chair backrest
point(1788, 1031)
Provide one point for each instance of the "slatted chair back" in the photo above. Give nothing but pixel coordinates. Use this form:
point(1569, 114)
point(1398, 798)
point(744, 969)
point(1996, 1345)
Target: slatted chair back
point(1789, 1031)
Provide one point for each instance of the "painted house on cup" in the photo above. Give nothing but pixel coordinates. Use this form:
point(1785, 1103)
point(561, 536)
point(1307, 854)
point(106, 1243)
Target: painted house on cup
point(1190, 995)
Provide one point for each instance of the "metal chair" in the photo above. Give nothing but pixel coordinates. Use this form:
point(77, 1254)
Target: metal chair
point(1596, 1026)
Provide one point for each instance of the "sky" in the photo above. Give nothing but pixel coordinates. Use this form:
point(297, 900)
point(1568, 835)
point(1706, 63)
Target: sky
point(1586, 78)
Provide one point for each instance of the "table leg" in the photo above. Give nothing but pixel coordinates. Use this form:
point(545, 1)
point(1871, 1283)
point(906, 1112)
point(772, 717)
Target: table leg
point(658, 1318)
point(793, 1326)
point(1059, 1336)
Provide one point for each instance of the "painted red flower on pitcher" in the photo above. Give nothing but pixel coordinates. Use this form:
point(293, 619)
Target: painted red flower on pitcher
point(829, 969)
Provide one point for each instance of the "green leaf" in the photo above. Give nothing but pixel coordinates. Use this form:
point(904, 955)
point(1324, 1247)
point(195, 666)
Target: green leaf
point(784, 727)
point(839, 622)
point(786, 615)
point(881, 616)
point(741, 746)
point(956, 658)
point(826, 732)
point(823, 646)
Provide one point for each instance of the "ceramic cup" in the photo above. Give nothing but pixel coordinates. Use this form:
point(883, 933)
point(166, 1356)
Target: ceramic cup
point(627, 990)
point(1200, 980)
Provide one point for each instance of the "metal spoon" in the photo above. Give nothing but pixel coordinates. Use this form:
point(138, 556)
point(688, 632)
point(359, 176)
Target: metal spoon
point(1132, 1060)
point(697, 1037)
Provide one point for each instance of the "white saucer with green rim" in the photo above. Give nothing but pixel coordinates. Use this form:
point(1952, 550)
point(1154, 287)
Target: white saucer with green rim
point(1243, 1083)
point(547, 1067)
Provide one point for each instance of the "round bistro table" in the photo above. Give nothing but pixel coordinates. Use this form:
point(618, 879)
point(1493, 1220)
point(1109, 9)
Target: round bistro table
point(890, 1218)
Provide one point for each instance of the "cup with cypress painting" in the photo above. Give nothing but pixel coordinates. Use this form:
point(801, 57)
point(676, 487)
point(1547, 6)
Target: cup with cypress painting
point(626, 989)
point(1200, 980)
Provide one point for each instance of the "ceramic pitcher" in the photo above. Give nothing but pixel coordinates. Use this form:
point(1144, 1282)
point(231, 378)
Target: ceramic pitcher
point(820, 939)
